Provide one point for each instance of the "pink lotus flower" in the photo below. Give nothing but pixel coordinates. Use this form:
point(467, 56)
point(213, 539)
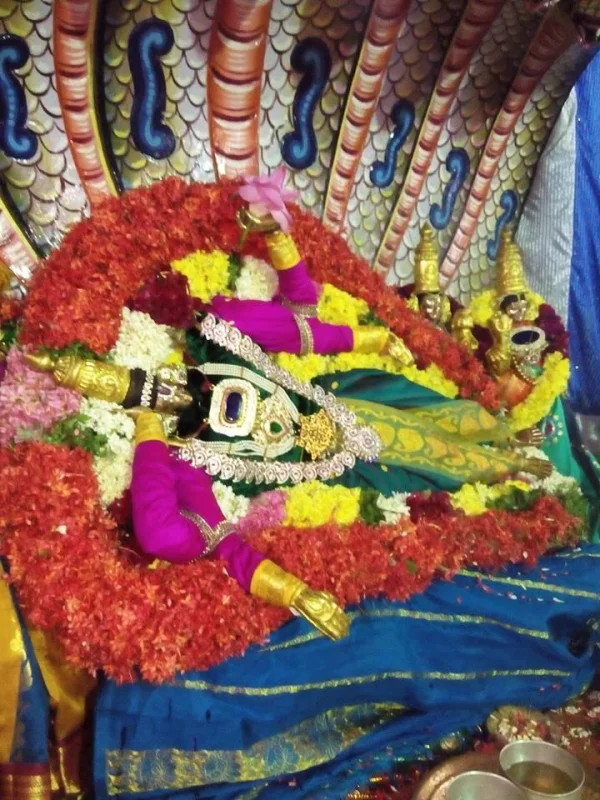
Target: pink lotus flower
point(267, 195)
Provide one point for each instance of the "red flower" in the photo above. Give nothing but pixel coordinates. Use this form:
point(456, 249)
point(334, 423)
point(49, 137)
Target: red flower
point(106, 260)
point(109, 611)
point(166, 299)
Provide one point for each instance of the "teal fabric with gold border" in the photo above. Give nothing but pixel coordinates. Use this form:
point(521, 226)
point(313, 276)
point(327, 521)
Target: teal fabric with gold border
point(326, 715)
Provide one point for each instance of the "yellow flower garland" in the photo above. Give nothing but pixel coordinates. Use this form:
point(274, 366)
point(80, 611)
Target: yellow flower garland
point(474, 498)
point(207, 273)
point(307, 368)
point(551, 384)
point(312, 504)
point(340, 308)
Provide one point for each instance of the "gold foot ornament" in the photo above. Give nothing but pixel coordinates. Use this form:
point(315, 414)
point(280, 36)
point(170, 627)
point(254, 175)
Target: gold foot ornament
point(281, 588)
point(322, 611)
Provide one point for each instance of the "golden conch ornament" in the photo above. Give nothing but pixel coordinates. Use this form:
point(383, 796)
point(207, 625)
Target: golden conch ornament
point(510, 272)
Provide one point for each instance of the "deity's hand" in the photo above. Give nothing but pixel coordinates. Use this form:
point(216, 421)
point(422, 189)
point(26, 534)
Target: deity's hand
point(322, 611)
point(281, 588)
point(538, 467)
point(532, 436)
point(397, 350)
point(267, 198)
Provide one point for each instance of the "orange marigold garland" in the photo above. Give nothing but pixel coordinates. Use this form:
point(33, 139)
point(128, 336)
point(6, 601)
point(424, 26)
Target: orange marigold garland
point(110, 611)
point(103, 262)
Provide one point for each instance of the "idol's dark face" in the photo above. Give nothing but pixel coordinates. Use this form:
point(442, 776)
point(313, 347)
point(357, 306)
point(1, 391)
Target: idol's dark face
point(516, 307)
point(430, 304)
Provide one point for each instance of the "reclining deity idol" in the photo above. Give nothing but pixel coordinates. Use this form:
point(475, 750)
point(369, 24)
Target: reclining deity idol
point(234, 414)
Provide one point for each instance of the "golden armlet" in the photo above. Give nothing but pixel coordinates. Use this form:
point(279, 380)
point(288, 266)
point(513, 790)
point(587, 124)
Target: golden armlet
point(370, 339)
point(282, 250)
point(274, 585)
point(149, 428)
point(212, 536)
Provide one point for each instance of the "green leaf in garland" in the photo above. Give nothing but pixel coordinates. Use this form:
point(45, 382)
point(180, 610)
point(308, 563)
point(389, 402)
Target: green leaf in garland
point(75, 349)
point(74, 431)
point(235, 267)
point(577, 505)
point(8, 335)
point(369, 510)
point(516, 500)
point(370, 318)
point(411, 566)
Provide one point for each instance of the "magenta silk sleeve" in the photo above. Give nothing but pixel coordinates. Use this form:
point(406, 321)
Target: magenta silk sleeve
point(296, 285)
point(161, 487)
point(274, 328)
point(159, 527)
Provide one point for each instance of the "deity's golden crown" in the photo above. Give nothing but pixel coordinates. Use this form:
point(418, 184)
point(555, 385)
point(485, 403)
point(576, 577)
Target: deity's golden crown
point(427, 276)
point(510, 273)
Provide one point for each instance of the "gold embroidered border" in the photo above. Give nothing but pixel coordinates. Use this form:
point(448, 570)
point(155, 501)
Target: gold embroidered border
point(463, 619)
point(552, 588)
point(15, 786)
point(313, 741)
point(360, 680)
point(577, 555)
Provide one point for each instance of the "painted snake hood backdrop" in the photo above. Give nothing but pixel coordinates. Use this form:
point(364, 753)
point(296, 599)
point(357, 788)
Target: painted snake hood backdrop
point(386, 113)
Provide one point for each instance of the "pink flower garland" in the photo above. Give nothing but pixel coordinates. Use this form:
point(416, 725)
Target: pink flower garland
point(30, 400)
point(266, 511)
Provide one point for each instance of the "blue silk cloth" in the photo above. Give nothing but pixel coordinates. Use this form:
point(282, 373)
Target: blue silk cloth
point(304, 717)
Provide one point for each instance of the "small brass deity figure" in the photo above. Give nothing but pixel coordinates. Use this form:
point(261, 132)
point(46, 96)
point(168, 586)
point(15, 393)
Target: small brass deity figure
point(512, 292)
point(427, 297)
point(431, 301)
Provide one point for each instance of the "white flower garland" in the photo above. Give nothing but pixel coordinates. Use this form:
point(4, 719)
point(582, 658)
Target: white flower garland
point(112, 470)
point(142, 343)
point(234, 506)
point(257, 280)
point(394, 507)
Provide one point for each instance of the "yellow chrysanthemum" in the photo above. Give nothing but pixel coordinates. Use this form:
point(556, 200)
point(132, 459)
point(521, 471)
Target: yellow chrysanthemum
point(309, 505)
point(502, 489)
point(207, 273)
point(551, 384)
point(470, 498)
point(475, 498)
point(340, 308)
point(305, 368)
